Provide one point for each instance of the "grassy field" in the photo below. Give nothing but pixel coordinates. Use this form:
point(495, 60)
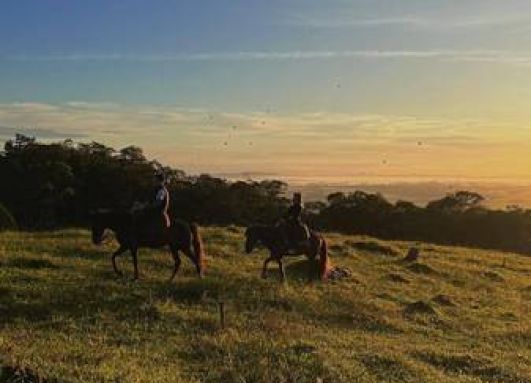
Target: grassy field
point(456, 315)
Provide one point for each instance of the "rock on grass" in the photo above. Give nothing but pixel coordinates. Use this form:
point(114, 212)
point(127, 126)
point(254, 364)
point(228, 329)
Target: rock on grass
point(412, 255)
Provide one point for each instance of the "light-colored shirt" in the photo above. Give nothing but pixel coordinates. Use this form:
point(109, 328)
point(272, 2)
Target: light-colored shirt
point(161, 196)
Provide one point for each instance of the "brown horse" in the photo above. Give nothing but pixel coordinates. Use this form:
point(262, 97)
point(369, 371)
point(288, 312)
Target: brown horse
point(273, 239)
point(180, 236)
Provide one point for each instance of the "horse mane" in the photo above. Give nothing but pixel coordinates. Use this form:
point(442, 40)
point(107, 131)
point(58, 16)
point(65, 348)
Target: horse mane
point(113, 218)
point(269, 235)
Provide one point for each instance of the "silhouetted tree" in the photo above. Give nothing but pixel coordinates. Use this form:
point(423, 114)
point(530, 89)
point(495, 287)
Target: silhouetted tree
point(58, 184)
point(460, 201)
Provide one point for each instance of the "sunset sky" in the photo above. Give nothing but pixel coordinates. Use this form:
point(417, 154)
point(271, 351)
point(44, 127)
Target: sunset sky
point(296, 88)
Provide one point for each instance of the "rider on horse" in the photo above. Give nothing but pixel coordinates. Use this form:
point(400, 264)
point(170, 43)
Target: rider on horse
point(296, 233)
point(162, 200)
point(152, 217)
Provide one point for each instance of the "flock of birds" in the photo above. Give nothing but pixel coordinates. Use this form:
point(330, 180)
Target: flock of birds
point(227, 141)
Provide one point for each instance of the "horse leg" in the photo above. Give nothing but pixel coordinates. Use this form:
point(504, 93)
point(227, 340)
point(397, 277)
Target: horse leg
point(121, 250)
point(264, 269)
point(134, 251)
point(190, 255)
point(281, 269)
point(311, 254)
point(177, 261)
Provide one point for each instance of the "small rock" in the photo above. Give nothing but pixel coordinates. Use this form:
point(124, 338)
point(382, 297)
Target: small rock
point(412, 255)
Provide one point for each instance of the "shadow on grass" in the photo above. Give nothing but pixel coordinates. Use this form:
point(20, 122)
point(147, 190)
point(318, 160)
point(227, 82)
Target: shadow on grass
point(9, 374)
point(373, 247)
point(83, 253)
point(257, 361)
point(386, 369)
point(31, 263)
point(468, 365)
point(305, 270)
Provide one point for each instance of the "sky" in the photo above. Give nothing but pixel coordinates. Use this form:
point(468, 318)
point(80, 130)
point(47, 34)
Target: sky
point(390, 89)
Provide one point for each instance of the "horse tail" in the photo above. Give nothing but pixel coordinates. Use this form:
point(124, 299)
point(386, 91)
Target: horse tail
point(197, 243)
point(324, 263)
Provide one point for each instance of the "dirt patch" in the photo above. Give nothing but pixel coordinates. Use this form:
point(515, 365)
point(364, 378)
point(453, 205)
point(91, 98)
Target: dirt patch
point(419, 308)
point(373, 247)
point(443, 300)
point(397, 278)
point(421, 268)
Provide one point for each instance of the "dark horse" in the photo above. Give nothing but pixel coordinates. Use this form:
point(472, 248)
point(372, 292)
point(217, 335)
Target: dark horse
point(180, 236)
point(272, 238)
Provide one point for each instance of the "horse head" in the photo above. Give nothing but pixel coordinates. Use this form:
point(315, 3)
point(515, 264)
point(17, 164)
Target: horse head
point(251, 239)
point(98, 226)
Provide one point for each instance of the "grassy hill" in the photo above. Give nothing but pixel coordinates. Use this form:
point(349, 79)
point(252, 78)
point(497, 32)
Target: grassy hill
point(457, 315)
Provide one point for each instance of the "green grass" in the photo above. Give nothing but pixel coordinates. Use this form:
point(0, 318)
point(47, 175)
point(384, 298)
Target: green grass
point(458, 315)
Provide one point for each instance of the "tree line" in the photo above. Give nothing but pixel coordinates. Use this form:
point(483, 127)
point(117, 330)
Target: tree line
point(51, 185)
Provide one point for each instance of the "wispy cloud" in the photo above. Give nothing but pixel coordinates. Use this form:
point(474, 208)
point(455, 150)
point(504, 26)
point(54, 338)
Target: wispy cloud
point(86, 119)
point(408, 21)
point(493, 56)
point(345, 18)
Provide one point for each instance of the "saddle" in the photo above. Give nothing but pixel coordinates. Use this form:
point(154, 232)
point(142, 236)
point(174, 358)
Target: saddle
point(150, 223)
